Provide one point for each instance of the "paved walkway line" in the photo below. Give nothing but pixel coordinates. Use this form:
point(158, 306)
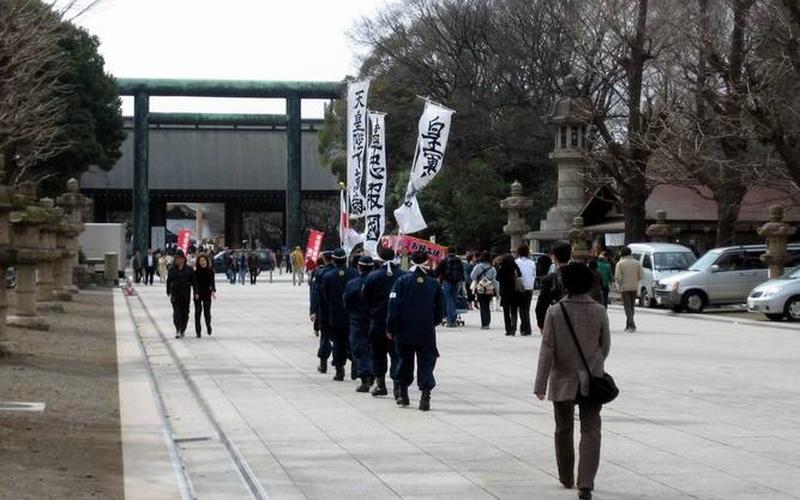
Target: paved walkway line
point(150, 467)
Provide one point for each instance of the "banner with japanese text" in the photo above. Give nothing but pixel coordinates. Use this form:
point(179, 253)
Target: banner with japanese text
point(376, 183)
point(184, 240)
point(409, 244)
point(357, 93)
point(434, 130)
point(314, 245)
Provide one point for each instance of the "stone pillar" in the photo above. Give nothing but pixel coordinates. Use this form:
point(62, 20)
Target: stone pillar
point(72, 202)
point(7, 252)
point(50, 255)
point(515, 204)
point(294, 232)
point(141, 186)
point(25, 236)
point(110, 269)
point(233, 224)
point(661, 231)
point(777, 235)
point(577, 238)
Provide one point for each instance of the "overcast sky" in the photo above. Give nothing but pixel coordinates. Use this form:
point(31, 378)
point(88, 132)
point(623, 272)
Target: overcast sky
point(228, 39)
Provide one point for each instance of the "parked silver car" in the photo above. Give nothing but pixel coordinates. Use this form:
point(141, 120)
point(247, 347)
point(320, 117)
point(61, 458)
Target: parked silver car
point(778, 298)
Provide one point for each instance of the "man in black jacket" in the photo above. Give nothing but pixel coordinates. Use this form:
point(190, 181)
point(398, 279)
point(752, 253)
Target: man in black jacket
point(552, 289)
point(179, 290)
point(451, 274)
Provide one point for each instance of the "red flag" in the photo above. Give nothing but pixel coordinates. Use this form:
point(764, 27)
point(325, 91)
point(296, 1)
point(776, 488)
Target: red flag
point(314, 245)
point(184, 238)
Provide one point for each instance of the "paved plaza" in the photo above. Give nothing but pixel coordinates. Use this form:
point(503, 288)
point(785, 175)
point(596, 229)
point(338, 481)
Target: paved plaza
point(710, 409)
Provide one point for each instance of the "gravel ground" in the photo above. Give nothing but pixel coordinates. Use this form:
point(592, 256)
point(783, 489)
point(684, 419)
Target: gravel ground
point(73, 449)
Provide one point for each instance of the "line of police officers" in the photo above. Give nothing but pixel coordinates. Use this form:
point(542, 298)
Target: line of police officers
point(380, 318)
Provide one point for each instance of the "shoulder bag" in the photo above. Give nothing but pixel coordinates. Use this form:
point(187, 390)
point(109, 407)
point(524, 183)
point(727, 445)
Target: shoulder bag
point(602, 390)
point(483, 285)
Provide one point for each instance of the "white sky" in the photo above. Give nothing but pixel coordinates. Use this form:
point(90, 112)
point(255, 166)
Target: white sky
point(227, 39)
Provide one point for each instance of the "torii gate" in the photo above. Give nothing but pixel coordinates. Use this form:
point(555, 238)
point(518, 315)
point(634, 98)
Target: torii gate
point(293, 92)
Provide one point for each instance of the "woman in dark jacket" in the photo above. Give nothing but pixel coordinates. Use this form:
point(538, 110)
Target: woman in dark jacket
point(204, 291)
point(507, 273)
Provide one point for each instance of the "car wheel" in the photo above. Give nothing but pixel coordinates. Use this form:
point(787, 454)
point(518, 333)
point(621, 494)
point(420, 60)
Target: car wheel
point(792, 308)
point(775, 317)
point(694, 302)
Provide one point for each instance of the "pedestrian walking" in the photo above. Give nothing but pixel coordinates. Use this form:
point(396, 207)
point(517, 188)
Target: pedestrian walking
point(252, 267)
point(552, 287)
point(562, 377)
point(204, 291)
point(527, 269)
point(416, 306)
point(137, 266)
point(318, 312)
point(628, 276)
point(163, 267)
point(332, 288)
point(179, 290)
point(469, 265)
point(149, 267)
point(298, 261)
point(241, 266)
point(604, 268)
point(377, 288)
point(358, 312)
point(451, 275)
point(507, 275)
point(597, 282)
point(483, 281)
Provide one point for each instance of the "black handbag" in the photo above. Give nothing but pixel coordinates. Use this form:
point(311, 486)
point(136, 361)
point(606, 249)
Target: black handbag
point(602, 390)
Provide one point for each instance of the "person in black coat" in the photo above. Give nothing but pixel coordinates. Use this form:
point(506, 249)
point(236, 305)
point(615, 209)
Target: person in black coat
point(332, 301)
point(358, 311)
point(179, 290)
point(507, 274)
point(377, 287)
point(204, 290)
point(552, 287)
point(416, 306)
point(317, 312)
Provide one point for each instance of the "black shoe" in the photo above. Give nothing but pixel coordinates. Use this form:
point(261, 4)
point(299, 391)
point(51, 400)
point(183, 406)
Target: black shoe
point(567, 484)
point(425, 401)
point(339, 374)
point(177, 335)
point(323, 366)
point(199, 335)
point(380, 388)
point(395, 390)
point(510, 334)
point(524, 334)
point(402, 396)
point(365, 384)
point(585, 494)
point(208, 329)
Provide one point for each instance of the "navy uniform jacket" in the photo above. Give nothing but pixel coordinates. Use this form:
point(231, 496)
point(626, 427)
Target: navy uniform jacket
point(354, 303)
point(377, 287)
point(313, 289)
point(332, 286)
point(416, 306)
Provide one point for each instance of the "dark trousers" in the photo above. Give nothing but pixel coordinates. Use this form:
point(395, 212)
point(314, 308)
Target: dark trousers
point(510, 316)
point(137, 275)
point(180, 312)
point(485, 302)
point(340, 337)
point(253, 276)
point(525, 312)
point(381, 348)
point(450, 295)
point(629, 301)
point(360, 348)
point(426, 362)
point(202, 306)
point(606, 292)
point(149, 272)
point(325, 344)
point(589, 447)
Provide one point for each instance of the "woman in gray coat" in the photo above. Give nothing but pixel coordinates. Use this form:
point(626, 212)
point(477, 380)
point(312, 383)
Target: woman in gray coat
point(560, 366)
point(484, 283)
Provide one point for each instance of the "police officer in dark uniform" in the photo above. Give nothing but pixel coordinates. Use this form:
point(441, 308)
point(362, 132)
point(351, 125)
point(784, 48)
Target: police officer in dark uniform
point(179, 290)
point(416, 306)
point(332, 285)
point(358, 311)
point(317, 313)
point(377, 287)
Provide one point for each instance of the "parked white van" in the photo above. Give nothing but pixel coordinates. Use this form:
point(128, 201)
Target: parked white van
point(721, 276)
point(659, 260)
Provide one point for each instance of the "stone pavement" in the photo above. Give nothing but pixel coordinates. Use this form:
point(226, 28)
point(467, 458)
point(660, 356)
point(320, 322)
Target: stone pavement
point(709, 409)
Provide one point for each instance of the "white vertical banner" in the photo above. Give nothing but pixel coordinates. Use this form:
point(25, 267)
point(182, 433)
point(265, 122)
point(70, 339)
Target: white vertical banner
point(375, 194)
point(434, 130)
point(357, 93)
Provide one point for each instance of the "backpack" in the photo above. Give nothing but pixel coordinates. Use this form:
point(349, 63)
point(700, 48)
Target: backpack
point(455, 270)
point(483, 285)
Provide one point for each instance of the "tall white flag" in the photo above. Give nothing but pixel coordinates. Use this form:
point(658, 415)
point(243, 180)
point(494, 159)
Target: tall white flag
point(434, 129)
point(375, 197)
point(357, 93)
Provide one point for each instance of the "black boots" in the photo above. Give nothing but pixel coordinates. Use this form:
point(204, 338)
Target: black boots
point(366, 383)
point(425, 401)
point(402, 396)
point(380, 388)
point(208, 329)
point(323, 365)
point(339, 374)
point(396, 390)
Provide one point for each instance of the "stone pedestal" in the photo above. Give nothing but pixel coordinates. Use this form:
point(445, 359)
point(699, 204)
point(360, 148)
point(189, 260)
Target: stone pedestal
point(514, 204)
point(577, 238)
point(7, 252)
point(25, 237)
point(72, 202)
point(48, 237)
point(110, 266)
point(777, 234)
point(661, 231)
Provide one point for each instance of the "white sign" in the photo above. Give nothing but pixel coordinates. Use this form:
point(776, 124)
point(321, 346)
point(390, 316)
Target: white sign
point(375, 197)
point(615, 239)
point(357, 93)
point(434, 129)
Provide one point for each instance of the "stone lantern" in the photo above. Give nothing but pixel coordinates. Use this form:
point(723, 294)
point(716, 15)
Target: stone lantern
point(777, 234)
point(515, 204)
point(577, 238)
point(72, 202)
point(48, 235)
point(26, 221)
point(661, 231)
point(7, 252)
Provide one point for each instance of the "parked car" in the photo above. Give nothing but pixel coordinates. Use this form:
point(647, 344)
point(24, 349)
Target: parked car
point(778, 298)
point(722, 276)
point(659, 260)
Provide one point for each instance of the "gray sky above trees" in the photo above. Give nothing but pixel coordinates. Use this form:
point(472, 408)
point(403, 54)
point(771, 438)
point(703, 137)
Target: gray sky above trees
point(230, 39)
